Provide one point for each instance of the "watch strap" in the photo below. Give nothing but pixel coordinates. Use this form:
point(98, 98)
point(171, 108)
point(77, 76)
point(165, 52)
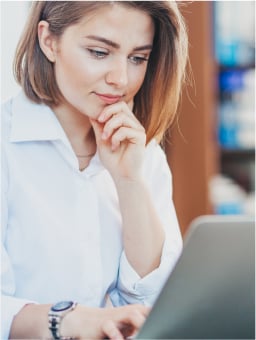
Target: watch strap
point(54, 322)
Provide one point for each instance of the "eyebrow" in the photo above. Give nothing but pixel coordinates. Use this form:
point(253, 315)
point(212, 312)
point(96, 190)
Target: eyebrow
point(117, 46)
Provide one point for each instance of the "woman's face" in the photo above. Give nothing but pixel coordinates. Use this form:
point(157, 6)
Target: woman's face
point(103, 59)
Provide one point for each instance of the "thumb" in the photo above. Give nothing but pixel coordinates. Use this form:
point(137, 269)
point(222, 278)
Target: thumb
point(97, 128)
point(131, 104)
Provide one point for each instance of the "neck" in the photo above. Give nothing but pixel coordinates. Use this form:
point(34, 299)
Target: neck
point(78, 130)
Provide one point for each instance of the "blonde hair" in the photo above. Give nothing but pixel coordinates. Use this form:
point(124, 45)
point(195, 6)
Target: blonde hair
point(156, 103)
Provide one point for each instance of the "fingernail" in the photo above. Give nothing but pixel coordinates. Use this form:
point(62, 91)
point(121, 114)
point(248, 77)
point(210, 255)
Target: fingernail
point(101, 118)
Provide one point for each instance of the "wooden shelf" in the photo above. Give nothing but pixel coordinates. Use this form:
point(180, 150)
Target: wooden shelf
point(192, 152)
point(224, 68)
point(237, 153)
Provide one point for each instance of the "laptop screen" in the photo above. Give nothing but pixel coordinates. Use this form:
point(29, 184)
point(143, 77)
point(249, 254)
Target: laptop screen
point(210, 294)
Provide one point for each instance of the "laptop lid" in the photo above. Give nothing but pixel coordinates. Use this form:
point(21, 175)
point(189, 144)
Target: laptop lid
point(210, 294)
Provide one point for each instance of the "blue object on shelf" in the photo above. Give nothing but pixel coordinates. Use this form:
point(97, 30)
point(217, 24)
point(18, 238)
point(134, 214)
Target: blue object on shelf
point(227, 132)
point(231, 80)
point(229, 209)
point(234, 32)
point(227, 53)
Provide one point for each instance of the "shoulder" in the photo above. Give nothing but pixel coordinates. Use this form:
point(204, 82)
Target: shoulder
point(154, 152)
point(155, 159)
point(6, 116)
point(22, 120)
point(12, 114)
point(10, 105)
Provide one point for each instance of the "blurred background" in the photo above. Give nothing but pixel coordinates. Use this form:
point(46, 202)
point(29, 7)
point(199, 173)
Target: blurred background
point(211, 147)
point(13, 16)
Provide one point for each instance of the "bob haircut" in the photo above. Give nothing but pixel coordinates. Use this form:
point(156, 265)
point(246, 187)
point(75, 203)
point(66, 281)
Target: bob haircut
point(156, 103)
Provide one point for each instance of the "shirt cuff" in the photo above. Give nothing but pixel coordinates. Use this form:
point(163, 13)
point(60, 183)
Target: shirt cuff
point(10, 306)
point(146, 289)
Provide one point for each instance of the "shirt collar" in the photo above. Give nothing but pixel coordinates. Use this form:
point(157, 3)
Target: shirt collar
point(33, 122)
point(37, 122)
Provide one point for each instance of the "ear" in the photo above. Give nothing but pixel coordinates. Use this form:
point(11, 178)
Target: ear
point(46, 41)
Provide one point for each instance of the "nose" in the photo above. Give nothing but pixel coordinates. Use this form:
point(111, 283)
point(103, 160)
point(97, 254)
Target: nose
point(117, 75)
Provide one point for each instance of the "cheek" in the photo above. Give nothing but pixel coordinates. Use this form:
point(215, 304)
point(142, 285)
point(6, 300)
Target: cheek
point(70, 77)
point(75, 70)
point(136, 81)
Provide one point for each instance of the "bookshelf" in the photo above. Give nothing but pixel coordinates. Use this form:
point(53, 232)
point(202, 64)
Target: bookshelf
point(234, 48)
point(192, 150)
point(202, 156)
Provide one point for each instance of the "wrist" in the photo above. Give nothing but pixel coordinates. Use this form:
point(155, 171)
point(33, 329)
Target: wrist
point(83, 323)
point(71, 323)
point(56, 317)
point(129, 181)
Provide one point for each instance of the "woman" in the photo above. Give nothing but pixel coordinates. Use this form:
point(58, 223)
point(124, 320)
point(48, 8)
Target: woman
point(87, 198)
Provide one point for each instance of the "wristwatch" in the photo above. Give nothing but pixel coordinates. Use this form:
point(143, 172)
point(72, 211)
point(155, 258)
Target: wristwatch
point(55, 316)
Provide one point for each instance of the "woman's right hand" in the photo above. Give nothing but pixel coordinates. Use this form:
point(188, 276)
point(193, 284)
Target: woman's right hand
point(99, 323)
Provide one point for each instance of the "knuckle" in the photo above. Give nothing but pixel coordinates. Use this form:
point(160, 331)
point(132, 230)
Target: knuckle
point(115, 138)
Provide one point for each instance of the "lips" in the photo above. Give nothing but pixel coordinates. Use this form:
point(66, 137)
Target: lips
point(108, 98)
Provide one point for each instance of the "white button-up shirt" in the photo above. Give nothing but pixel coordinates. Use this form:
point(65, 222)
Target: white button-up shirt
point(62, 227)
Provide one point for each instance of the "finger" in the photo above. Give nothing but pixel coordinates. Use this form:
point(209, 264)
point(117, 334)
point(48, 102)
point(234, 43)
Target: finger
point(137, 319)
point(127, 330)
point(132, 322)
point(110, 329)
point(120, 120)
point(145, 310)
point(113, 109)
point(131, 135)
point(131, 104)
point(97, 128)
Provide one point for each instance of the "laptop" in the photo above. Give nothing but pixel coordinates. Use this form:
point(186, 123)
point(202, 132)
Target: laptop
point(210, 294)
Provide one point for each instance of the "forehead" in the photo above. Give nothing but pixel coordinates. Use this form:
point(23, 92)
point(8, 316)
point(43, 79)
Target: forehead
point(116, 22)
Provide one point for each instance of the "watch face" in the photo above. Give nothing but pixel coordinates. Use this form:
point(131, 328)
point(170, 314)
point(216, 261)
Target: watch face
point(60, 306)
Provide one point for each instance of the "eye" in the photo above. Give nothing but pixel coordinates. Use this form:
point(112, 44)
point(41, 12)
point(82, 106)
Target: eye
point(97, 53)
point(138, 60)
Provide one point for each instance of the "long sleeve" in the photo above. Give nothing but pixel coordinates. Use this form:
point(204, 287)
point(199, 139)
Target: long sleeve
point(131, 288)
point(47, 201)
point(10, 305)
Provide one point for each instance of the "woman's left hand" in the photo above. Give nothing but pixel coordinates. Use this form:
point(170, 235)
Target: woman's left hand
point(120, 140)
